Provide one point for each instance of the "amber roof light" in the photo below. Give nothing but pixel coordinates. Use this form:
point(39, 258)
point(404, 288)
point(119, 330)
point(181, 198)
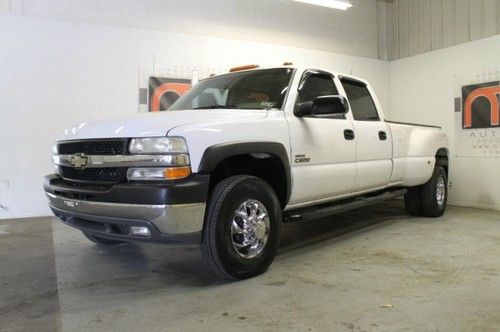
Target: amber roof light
point(240, 68)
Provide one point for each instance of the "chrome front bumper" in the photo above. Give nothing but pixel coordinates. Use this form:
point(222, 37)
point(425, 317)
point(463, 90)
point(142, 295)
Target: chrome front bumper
point(175, 219)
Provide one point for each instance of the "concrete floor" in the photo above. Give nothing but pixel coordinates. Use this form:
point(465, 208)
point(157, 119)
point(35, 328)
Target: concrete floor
point(374, 269)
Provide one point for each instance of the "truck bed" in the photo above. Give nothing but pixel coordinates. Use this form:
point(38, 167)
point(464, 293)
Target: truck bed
point(413, 124)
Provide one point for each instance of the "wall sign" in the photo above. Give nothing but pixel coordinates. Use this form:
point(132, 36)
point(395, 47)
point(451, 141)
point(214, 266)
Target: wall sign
point(480, 105)
point(164, 91)
point(161, 85)
point(477, 117)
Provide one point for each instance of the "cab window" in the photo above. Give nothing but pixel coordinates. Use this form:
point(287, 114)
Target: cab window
point(316, 85)
point(252, 89)
point(362, 105)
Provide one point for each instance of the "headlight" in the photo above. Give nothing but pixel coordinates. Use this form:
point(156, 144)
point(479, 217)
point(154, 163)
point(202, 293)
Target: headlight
point(158, 145)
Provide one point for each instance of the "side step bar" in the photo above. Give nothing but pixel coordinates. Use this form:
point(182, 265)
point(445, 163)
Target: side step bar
point(320, 211)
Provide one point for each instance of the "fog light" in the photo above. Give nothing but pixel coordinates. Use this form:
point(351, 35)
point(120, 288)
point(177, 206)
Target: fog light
point(140, 231)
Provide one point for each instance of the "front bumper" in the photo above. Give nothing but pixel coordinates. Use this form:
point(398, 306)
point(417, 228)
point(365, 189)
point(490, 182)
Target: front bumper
point(173, 213)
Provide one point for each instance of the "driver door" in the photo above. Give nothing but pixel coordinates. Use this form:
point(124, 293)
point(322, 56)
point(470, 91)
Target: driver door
point(323, 150)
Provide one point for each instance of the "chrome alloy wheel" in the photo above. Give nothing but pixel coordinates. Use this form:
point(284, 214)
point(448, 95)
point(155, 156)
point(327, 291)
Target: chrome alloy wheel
point(440, 191)
point(250, 228)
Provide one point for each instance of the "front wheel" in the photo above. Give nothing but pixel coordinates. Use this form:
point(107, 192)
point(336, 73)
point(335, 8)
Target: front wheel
point(242, 227)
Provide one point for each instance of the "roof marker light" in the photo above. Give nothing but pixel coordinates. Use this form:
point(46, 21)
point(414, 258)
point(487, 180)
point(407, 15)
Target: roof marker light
point(240, 68)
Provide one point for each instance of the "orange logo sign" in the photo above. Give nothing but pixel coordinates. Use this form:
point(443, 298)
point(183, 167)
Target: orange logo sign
point(164, 91)
point(491, 93)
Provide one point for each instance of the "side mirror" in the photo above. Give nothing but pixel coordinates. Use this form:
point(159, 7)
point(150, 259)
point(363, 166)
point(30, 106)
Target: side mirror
point(323, 105)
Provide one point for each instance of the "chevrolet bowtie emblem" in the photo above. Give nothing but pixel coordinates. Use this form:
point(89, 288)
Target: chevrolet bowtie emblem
point(78, 160)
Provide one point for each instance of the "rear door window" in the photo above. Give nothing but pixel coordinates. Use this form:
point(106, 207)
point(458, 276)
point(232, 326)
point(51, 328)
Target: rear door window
point(362, 104)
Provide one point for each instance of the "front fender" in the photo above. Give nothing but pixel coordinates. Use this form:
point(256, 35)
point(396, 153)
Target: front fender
point(213, 155)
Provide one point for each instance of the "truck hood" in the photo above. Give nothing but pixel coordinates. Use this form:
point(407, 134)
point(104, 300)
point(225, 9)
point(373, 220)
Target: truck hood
point(155, 124)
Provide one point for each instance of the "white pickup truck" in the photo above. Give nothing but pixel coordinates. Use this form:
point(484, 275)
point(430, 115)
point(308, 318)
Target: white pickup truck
point(236, 156)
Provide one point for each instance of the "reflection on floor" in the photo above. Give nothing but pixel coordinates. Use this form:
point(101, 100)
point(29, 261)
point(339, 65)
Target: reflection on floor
point(371, 269)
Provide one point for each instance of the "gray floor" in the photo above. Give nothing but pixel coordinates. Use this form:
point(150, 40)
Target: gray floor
point(374, 270)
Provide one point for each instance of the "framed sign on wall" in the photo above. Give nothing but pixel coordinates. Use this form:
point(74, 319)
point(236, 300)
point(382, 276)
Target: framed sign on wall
point(164, 91)
point(161, 85)
point(477, 116)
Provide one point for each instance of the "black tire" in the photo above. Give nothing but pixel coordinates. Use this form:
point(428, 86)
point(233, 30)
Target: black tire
point(101, 240)
point(428, 194)
point(413, 201)
point(217, 242)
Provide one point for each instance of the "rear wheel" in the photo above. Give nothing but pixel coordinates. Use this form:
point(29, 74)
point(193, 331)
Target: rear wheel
point(429, 199)
point(434, 194)
point(101, 240)
point(242, 227)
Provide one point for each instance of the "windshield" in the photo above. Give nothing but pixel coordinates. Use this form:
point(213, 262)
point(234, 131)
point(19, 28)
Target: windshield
point(257, 89)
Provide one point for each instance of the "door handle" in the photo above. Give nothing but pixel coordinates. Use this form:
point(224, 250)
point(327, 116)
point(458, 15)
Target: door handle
point(349, 134)
point(382, 135)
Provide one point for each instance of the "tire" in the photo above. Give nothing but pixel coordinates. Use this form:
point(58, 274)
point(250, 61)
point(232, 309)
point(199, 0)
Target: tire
point(100, 240)
point(413, 201)
point(232, 197)
point(432, 206)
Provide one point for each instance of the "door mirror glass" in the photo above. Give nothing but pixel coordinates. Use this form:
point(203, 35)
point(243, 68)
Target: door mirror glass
point(323, 105)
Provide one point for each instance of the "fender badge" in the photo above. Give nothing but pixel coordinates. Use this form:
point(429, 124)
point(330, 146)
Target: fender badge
point(301, 158)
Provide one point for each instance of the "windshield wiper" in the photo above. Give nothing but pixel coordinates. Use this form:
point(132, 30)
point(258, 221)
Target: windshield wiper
point(214, 106)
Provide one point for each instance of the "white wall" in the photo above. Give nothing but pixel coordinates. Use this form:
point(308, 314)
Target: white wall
point(280, 22)
point(54, 74)
point(423, 90)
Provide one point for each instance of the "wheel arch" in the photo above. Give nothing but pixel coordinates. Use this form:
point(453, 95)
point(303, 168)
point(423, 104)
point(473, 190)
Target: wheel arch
point(218, 156)
point(442, 158)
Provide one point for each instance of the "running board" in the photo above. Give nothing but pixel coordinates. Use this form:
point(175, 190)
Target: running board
point(316, 212)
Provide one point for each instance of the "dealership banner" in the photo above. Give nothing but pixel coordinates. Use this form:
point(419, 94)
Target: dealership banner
point(477, 115)
point(161, 85)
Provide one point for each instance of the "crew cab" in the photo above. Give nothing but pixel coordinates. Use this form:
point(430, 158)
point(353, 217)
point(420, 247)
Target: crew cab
point(237, 156)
